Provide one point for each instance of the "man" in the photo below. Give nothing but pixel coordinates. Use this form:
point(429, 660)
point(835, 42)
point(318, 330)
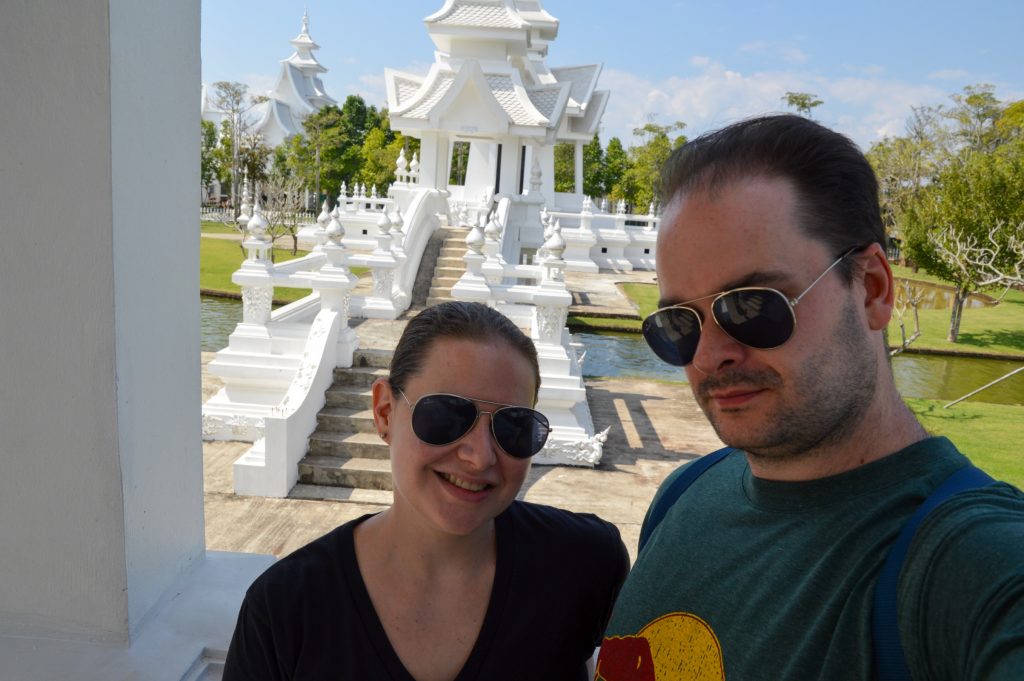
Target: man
point(766, 566)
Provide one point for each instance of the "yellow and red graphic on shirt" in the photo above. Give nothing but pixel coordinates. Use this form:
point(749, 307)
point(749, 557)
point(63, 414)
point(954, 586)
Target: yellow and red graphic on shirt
point(677, 646)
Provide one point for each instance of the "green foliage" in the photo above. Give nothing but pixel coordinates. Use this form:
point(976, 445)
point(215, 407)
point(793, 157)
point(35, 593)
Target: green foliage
point(565, 167)
point(954, 184)
point(616, 163)
point(641, 183)
point(593, 169)
point(460, 161)
point(379, 153)
point(207, 145)
point(803, 102)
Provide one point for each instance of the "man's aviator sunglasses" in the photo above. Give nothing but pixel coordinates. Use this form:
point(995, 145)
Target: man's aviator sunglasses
point(756, 316)
point(441, 419)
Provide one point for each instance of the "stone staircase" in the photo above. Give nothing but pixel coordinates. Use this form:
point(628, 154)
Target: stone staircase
point(346, 461)
point(449, 266)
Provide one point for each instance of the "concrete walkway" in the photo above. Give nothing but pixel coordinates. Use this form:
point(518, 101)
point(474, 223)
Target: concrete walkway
point(654, 427)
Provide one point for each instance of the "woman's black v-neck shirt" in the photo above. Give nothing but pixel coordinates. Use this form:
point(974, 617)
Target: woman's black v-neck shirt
point(310, 617)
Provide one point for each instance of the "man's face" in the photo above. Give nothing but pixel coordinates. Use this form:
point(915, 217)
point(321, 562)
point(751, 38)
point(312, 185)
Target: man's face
point(814, 389)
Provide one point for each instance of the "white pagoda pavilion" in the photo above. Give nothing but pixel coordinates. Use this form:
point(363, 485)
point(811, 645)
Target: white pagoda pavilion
point(490, 87)
point(299, 92)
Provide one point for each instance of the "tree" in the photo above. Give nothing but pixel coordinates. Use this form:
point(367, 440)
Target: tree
point(953, 189)
point(593, 169)
point(379, 154)
point(232, 100)
point(283, 206)
point(565, 167)
point(642, 181)
point(207, 158)
point(969, 224)
point(616, 163)
point(803, 102)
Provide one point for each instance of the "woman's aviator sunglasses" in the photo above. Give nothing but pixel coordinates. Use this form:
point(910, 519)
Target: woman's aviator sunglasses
point(441, 419)
point(755, 316)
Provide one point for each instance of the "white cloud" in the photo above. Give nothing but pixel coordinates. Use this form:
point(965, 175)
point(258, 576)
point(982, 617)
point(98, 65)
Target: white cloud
point(865, 108)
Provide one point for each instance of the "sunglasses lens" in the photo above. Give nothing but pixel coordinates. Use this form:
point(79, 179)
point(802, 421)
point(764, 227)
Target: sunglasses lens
point(520, 432)
point(760, 318)
point(442, 419)
point(673, 334)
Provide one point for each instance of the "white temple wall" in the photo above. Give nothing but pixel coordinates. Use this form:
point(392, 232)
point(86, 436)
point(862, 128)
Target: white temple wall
point(101, 496)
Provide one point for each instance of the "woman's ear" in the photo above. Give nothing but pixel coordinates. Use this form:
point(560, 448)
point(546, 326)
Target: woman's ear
point(879, 288)
point(383, 404)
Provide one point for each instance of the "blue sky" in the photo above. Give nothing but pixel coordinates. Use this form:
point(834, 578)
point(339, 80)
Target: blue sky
point(704, 63)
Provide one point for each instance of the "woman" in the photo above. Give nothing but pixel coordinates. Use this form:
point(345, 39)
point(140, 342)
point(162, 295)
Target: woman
point(456, 580)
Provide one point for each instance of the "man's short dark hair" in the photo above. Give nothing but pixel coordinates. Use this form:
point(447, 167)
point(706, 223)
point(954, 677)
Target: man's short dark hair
point(837, 192)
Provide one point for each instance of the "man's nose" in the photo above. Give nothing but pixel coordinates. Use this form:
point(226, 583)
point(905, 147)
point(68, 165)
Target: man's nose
point(716, 349)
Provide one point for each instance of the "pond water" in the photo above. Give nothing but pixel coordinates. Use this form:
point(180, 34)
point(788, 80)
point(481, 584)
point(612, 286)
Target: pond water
point(931, 376)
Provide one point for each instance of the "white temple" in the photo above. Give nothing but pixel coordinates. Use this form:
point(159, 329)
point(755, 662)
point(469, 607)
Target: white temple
point(299, 92)
point(490, 86)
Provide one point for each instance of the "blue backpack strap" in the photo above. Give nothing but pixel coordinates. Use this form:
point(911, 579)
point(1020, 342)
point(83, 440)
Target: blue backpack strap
point(676, 488)
point(890, 662)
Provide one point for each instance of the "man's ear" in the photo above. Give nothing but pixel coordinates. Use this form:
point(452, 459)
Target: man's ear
point(383, 405)
point(879, 288)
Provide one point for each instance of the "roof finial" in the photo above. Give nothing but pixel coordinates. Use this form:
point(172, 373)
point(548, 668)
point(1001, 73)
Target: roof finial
point(305, 20)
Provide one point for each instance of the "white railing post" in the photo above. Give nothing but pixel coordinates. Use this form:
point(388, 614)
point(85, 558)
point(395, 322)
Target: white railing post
point(494, 264)
point(334, 282)
point(414, 169)
point(382, 263)
point(255, 276)
point(472, 285)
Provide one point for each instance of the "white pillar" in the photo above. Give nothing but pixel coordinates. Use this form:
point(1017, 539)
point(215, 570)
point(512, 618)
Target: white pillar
point(101, 497)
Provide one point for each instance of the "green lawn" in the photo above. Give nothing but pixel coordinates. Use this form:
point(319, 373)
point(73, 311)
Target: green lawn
point(990, 434)
point(220, 258)
point(211, 227)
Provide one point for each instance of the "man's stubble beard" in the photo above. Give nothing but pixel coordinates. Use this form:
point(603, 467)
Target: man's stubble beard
point(821, 405)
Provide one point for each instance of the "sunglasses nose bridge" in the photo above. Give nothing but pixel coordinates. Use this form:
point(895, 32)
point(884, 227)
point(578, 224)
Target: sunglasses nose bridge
point(716, 347)
point(478, 446)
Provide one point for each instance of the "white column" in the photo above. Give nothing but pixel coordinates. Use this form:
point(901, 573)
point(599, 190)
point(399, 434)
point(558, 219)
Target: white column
point(101, 497)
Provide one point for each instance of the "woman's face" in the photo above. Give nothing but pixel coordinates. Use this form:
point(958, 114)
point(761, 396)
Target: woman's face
point(460, 487)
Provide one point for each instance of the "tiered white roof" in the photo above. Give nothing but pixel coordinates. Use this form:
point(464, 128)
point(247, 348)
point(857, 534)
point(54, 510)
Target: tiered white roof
point(298, 93)
point(489, 77)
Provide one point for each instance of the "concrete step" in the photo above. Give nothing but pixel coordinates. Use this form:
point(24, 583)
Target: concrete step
point(440, 292)
point(448, 272)
point(453, 251)
point(342, 420)
point(349, 397)
point(343, 445)
point(450, 262)
point(374, 497)
point(345, 472)
point(380, 359)
point(362, 377)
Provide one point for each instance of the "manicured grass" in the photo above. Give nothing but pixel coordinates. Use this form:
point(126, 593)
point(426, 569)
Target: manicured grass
point(998, 329)
point(597, 324)
point(989, 434)
point(644, 296)
point(211, 227)
point(220, 258)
